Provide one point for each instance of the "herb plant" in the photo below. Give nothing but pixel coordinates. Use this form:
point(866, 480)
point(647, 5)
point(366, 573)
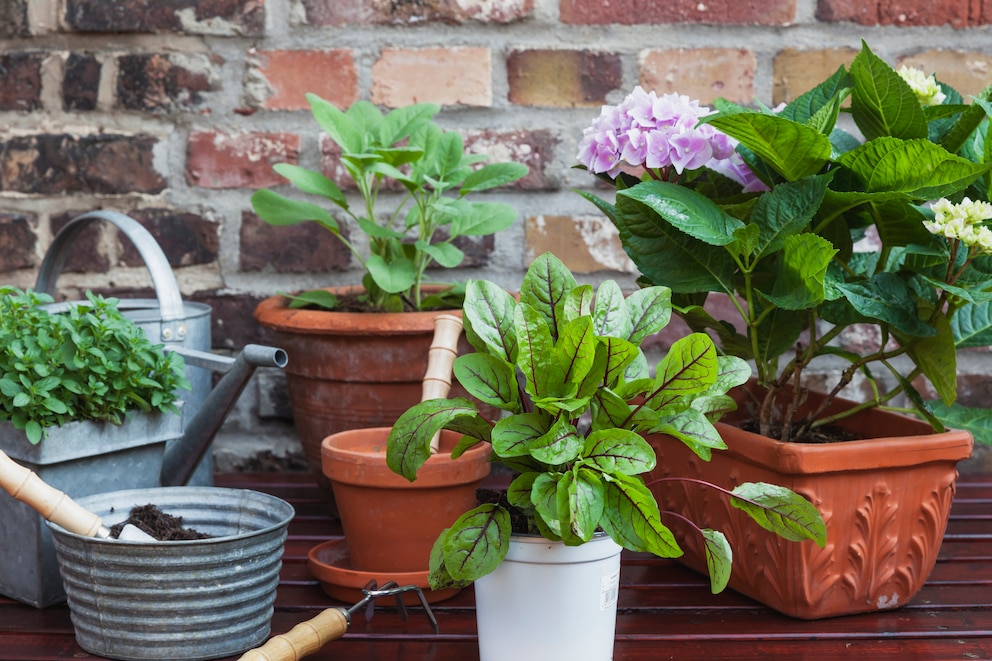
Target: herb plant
point(403, 150)
point(775, 227)
point(89, 363)
point(574, 422)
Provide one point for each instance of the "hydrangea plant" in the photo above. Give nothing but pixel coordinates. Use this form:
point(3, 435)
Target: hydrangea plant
point(786, 251)
point(565, 369)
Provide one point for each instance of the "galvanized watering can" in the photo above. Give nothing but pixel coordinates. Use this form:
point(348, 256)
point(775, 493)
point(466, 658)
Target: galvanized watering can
point(149, 450)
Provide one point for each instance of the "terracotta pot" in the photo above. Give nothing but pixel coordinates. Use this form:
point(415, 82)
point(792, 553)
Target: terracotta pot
point(349, 370)
point(885, 502)
point(391, 523)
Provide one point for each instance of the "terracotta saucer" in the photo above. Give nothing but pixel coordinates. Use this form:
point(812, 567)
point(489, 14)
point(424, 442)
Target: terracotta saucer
point(330, 564)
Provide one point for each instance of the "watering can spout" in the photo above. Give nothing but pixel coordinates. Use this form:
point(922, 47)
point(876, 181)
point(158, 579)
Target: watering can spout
point(182, 456)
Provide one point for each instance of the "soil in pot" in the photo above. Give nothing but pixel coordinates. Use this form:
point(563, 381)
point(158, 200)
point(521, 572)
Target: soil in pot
point(163, 527)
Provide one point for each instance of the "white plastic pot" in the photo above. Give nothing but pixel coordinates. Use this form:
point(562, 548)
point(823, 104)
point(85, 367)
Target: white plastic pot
point(550, 601)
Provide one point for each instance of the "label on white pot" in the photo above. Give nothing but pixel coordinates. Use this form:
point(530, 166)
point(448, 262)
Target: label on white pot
point(609, 590)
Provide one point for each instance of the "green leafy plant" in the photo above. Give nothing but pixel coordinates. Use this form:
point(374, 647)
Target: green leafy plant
point(566, 369)
point(89, 363)
point(775, 227)
point(403, 150)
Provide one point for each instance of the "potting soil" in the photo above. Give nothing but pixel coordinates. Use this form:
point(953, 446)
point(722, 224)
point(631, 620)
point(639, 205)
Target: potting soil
point(163, 527)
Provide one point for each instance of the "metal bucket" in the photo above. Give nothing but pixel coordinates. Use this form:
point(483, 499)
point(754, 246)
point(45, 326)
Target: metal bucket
point(200, 599)
point(166, 319)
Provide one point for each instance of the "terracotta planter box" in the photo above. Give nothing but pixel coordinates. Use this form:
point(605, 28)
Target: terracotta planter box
point(885, 502)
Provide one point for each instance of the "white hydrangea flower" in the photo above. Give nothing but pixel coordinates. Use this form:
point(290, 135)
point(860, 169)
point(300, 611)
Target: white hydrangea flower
point(962, 222)
point(925, 87)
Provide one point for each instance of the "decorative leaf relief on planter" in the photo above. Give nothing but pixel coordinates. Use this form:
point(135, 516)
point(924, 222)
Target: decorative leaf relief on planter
point(873, 550)
point(930, 524)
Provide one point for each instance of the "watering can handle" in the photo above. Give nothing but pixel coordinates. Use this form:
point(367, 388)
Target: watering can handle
point(440, 359)
point(303, 639)
point(25, 485)
point(166, 289)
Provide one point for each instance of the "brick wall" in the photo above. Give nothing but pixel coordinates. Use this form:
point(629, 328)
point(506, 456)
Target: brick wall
point(174, 112)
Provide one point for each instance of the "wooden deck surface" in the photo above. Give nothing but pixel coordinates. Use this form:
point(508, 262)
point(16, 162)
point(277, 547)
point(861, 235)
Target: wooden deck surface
point(665, 610)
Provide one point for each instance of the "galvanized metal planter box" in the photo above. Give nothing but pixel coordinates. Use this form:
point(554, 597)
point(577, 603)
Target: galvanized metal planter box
point(81, 459)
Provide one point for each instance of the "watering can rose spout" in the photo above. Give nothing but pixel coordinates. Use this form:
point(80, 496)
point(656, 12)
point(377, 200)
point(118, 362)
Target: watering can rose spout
point(182, 456)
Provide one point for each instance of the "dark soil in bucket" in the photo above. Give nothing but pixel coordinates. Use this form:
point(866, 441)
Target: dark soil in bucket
point(163, 527)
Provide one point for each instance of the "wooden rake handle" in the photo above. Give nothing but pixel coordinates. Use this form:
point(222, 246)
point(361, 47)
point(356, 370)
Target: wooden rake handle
point(25, 485)
point(303, 639)
point(440, 360)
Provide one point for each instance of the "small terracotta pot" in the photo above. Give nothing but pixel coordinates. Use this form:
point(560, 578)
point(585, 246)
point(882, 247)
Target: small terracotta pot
point(390, 523)
point(885, 502)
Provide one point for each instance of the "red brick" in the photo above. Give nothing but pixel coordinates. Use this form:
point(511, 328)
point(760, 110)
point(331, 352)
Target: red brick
point(13, 19)
point(18, 240)
point(288, 75)
point(20, 81)
point(586, 244)
point(81, 82)
point(635, 12)
point(231, 323)
point(163, 83)
point(48, 164)
point(88, 254)
point(562, 78)
point(224, 17)
point(340, 13)
point(956, 13)
point(447, 76)
point(243, 160)
point(795, 72)
point(304, 248)
point(186, 238)
point(535, 149)
point(701, 73)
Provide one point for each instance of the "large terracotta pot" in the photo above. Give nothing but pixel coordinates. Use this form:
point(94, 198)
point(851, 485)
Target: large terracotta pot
point(348, 370)
point(390, 523)
point(885, 502)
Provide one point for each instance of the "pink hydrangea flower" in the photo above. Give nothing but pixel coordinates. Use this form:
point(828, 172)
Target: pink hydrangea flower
point(655, 132)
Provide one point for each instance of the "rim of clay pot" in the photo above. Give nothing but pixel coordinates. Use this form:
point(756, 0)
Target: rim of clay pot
point(274, 313)
point(358, 456)
point(330, 564)
point(872, 453)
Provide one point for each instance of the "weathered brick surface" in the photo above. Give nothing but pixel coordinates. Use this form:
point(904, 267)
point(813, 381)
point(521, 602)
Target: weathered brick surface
point(81, 83)
point(163, 82)
point(535, 149)
point(304, 248)
point(185, 238)
point(20, 81)
point(242, 160)
point(586, 244)
point(701, 73)
point(796, 72)
point(967, 72)
point(447, 76)
point(340, 13)
point(287, 75)
point(956, 13)
point(187, 16)
point(231, 323)
point(632, 12)
point(562, 78)
point(47, 164)
point(88, 253)
point(17, 241)
point(13, 19)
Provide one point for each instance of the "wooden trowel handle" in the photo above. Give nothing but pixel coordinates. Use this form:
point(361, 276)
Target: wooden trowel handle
point(25, 485)
point(303, 639)
point(440, 359)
